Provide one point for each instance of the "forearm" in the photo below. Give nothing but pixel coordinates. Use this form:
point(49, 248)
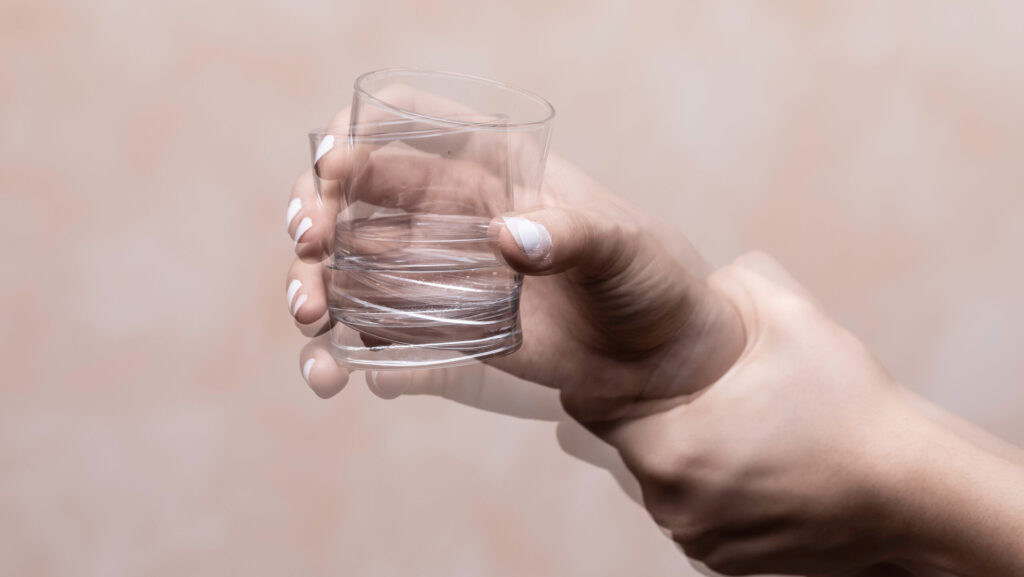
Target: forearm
point(967, 430)
point(964, 503)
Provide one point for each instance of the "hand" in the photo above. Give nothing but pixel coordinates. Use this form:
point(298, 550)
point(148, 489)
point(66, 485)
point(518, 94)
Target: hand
point(615, 313)
point(786, 464)
point(806, 457)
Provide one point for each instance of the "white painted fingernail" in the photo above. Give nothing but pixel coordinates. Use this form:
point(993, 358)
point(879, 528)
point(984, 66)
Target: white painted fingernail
point(298, 304)
point(532, 238)
point(293, 287)
point(304, 225)
point(325, 146)
point(293, 208)
point(307, 367)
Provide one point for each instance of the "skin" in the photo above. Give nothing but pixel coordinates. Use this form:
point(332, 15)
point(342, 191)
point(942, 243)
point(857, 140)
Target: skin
point(765, 437)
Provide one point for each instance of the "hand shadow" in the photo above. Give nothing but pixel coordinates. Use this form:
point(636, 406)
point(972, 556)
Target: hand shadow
point(485, 388)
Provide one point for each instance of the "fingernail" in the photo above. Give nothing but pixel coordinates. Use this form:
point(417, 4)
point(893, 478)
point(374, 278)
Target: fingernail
point(325, 146)
point(304, 225)
point(307, 367)
point(293, 208)
point(298, 304)
point(293, 287)
point(533, 239)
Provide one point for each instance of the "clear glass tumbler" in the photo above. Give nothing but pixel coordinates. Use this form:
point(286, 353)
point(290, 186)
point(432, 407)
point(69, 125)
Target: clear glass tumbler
point(427, 161)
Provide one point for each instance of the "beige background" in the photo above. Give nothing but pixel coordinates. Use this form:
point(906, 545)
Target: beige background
point(153, 418)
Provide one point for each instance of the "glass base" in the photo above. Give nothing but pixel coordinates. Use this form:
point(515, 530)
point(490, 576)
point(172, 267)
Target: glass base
point(349, 350)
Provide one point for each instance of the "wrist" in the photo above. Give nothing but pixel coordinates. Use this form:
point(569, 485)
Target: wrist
point(959, 508)
point(708, 345)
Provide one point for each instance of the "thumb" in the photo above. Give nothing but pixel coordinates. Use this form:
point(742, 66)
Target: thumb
point(554, 240)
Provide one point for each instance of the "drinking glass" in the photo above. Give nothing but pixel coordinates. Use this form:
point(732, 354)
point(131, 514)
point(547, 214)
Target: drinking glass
point(428, 160)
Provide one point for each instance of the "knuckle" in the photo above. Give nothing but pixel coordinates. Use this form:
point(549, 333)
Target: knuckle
point(574, 404)
point(794, 311)
point(629, 230)
point(694, 537)
point(660, 469)
point(596, 226)
point(669, 468)
point(587, 408)
point(628, 236)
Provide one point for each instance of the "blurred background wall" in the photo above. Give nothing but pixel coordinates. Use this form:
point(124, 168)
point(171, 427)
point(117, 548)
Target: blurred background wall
point(153, 418)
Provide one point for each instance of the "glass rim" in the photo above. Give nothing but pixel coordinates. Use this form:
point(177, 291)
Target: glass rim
point(548, 108)
point(348, 133)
